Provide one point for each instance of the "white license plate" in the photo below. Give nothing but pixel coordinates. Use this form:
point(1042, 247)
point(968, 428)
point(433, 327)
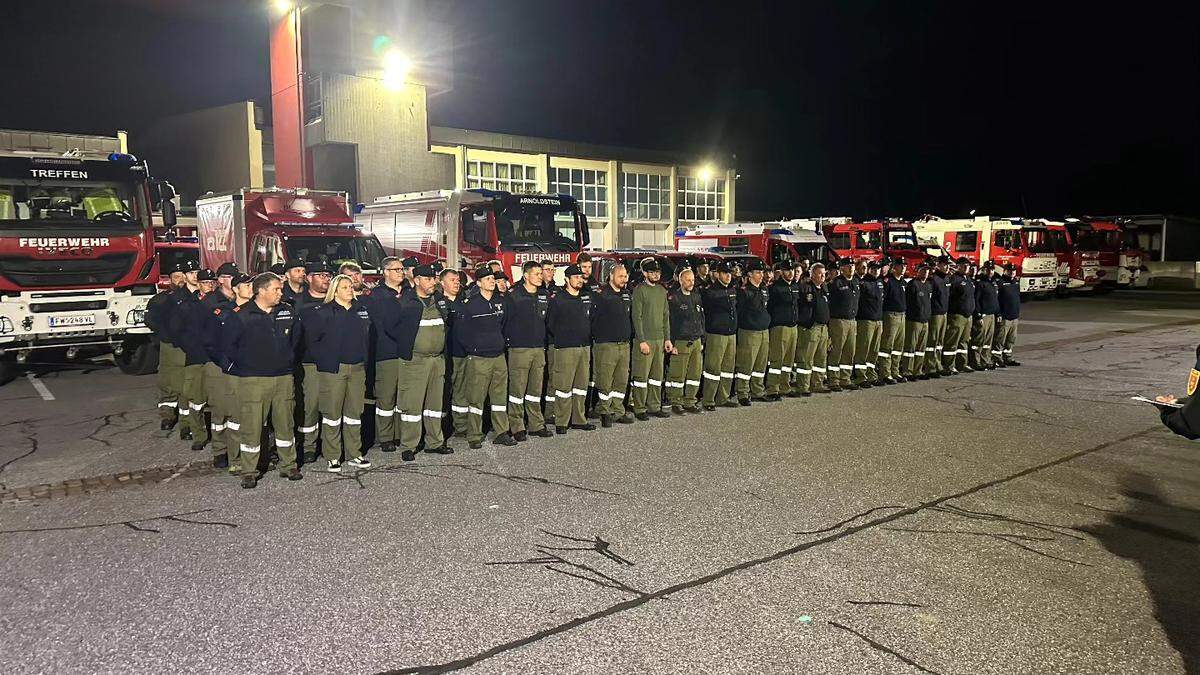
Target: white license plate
point(73, 320)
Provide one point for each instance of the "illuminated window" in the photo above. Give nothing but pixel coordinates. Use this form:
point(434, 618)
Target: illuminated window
point(647, 196)
point(502, 176)
point(701, 200)
point(588, 187)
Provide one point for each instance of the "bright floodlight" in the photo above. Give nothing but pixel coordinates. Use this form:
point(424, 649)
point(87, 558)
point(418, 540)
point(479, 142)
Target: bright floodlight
point(706, 173)
point(395, 69)
point(282, 6)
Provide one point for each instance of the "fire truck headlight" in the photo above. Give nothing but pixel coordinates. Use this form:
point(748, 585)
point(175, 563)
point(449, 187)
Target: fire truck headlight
point(135, 317)
point(6, 326)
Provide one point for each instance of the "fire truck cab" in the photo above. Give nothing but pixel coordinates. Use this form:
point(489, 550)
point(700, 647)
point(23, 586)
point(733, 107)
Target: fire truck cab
point(1030, 247)
point(773, 242)
point(1119, 261)
point(471, 227)
point(874, 240)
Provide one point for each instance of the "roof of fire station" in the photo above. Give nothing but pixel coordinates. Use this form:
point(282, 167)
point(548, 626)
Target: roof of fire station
point(491, 140)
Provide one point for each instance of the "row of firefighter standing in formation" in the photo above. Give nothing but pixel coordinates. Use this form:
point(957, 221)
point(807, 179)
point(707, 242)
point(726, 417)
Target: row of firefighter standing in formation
point(294, 350)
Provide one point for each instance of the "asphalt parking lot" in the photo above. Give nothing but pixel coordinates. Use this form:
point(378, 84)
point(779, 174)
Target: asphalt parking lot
point(1027, 520)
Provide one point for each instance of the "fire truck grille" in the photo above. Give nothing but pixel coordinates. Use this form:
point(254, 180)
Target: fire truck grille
point(28, 273)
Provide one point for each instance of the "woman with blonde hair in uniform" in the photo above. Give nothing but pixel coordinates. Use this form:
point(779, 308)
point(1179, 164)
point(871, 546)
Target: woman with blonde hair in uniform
point(338, 340)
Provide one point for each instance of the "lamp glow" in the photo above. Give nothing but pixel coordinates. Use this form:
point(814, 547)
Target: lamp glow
point(706, 173)
point(282, 6)
point(395, 69)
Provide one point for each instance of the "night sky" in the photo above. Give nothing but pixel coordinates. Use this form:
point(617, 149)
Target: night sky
point(831, 108)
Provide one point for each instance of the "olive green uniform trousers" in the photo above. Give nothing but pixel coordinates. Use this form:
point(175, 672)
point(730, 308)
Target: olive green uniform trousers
point(387, 390)
point(958, 336)
point(935, 344)
point(842, 340)
point(266, 398)
point(981, 341)
point(781, 354)
point(683, 373)
point(487, 378)
point(309, 427)
point(570, 383)
point(867, 351)
point(719, 354)
point(194, 398)
point(341, 400)
point(915, 335)
point(458, 394)
point(170, 380)
point(221, 402)
point(526, 368)
point(1006, 339)
point(611, 375)
point(422, 387)
point(647, 377)
point(812, 347)
point(750, 365)
point(891, 346)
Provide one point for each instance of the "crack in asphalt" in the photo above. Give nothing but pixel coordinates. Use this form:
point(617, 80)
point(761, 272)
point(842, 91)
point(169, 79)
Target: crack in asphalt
point(32, 439)
point(133, 524)
point(877, 646)
point(626, 605)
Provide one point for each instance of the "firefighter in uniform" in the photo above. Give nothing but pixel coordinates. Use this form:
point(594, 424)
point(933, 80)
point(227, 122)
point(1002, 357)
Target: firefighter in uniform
point(812, 339)
point(939, 301)
point(753, 336)
point(419, 330)
point(216, 386)
point(687, 353)
point(651, 342)
point(959, 309)
point(568, 319)
point(294, 282)
point(170, 356)
point(1008, 291)
point(916, 326)
point(525, 333)
point(480, 322)
point(223, 398)
point(891, 346)
point(720, 337)
point(781, 353)
point(844, 294)
point(987, 305)
point(258, 343)
point(869, 326)
point(308, 382)
point(1184, 421)
point(381, 306)
point(449, 291)
point(612, 329)
point(337, 334)
point(187, 318)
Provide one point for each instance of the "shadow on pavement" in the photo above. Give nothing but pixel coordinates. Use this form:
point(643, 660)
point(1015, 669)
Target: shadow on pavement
point(1168, 556)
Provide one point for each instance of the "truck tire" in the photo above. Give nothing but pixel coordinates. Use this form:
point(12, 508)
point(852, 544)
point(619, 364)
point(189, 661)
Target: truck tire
point(8, 369)
point(139, 356)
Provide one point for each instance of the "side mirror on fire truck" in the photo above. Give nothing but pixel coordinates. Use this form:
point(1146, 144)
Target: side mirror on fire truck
point(586, 234)
point(163, 195)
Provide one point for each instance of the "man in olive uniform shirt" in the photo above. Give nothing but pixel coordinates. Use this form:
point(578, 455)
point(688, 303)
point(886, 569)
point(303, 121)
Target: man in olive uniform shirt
point(687, 353)
point(720, 341)
point(612, 328)
point(418, 328)
point(651, 342)
point(812, 340)
point(870, 325)
point(781, 353)
point(844, 293)
point(753, 341)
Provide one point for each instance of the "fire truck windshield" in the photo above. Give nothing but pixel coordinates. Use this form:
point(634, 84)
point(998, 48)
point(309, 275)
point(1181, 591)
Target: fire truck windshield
point(56, 204)
point(366, 251)
point(551, 228)
point(900, 238)
point(1041, 241)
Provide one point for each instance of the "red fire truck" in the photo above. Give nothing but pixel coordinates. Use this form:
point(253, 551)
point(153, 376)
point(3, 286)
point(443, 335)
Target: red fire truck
point(772, 241)
point(174, 245)
point(874, 240)
point(256, 228)
point(77, 263)
point(1031, 247)
point(470, 227)
point(1119, 261)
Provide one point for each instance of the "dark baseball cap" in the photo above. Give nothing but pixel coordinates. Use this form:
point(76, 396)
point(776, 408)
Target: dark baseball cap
point(277, 268)
point(962, 260)
point(783, 265)
point(292, 263)
point(410, 261)
point(317, 267)
point(207, 275)
point(721, 266)
point(483, 272)
point(427, 270)
point(755, 265)
point(241, 278)
point(648, 265)
point(874, 264)
point(842, 262)
point(227, 269)
point(573, 270)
